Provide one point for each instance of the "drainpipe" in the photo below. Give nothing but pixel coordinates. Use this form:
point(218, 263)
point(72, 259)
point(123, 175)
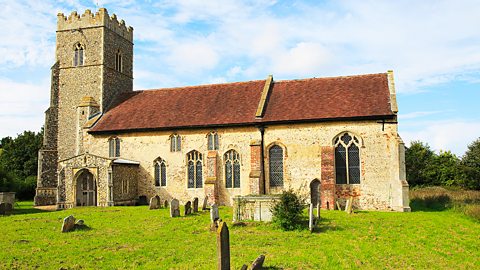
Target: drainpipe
point(262, 157)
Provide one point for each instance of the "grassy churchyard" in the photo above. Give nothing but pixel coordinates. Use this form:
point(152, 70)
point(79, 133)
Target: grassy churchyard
point(138, 238)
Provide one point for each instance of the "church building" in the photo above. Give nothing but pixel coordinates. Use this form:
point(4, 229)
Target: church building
point(107, 145)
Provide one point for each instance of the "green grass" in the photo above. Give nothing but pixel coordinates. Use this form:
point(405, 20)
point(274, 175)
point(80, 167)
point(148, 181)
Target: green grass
point(135, 237)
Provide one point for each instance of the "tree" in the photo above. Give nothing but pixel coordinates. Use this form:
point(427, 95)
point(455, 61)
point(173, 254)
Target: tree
point(419, 160)
point(470, 166)
point(445, 169)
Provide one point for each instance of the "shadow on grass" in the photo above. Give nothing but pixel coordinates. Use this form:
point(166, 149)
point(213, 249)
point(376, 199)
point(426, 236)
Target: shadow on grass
point(23, 209)
point(321, 226)
point(432, 203)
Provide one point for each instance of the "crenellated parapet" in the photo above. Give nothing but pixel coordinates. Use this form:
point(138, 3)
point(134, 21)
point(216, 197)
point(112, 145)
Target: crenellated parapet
point(76, 22)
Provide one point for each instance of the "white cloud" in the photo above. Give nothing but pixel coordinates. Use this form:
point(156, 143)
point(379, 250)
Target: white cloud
point(453, 135)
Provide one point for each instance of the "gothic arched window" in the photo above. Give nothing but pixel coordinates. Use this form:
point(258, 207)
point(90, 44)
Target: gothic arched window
point(275, 159)
point(194, 169)
point(347, 159)
point(175, 143)
point(114, 147)
point(118, 61)
point(78, 58)
point(212, 141)
point(160, 173)
point(232, 169)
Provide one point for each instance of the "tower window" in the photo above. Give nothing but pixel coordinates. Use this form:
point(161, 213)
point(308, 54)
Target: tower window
point(114, 147)
point(118, 61)
point(347, 159)
point(194, 173)
point(212, 141)
point(78, 59)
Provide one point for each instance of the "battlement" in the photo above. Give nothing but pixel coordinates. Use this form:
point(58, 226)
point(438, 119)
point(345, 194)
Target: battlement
point(99, 19)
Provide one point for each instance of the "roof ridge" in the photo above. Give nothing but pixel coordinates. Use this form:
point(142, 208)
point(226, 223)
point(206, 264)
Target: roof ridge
point(200, 85)
point(331, 77)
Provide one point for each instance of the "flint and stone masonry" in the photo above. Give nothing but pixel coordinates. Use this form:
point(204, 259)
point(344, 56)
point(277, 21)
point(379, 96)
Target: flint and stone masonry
point(104, 142)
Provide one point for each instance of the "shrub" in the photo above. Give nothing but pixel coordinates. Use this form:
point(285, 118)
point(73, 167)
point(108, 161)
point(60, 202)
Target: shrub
point(473, 211)
point(287, 212)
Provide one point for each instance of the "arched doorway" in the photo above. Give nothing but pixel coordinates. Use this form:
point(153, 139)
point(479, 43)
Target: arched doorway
point(315, 192)
point(86, 189)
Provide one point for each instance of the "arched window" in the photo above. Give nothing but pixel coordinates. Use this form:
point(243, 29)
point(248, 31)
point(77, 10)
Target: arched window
point(175, 143)
point(232, 169)
point(212, 141)
point(275, 155)
point(114, 147)
point(160, 173)
point(118, 61)
point(194, 173)
point(78, 56)
point(347, 159)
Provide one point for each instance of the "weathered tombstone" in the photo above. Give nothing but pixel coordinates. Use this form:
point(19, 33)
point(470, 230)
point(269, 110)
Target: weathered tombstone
point(310, 218)
point(258, 263)
point(158, 201)
point(8, 208)
point(154, 203)
point(223, 247)
point(165, 204)
point(318, 210)
point(3, 210)
point(346, 205)
point(205, 202)
point(142, 200)
point(244, 267)
point(214, 216)
point(174, 208)
point(338, 206)
point(68, 224)
point(195, 205)
point(348, 209)
point(188, 208)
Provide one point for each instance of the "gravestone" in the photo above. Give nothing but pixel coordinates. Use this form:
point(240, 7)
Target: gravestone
point(205, 202)
point(154, 202)
point(214, 216)
point(223, 247)
point(310, 218)
point(195, 205)
point(3, 208)
point(348, 208)
point(68, 224)
point(174, 208)
point(165, 204)
point(258, 263)
point(188, 208)
point(318, 211)
point(338, 206)
point(142, 200)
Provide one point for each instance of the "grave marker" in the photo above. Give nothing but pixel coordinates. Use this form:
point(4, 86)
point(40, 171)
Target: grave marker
point(195, 205)
point(205, 202)
point(223, 247)
point(68, 224)
point(174, 208)
point(188, 208)
point(214, 216)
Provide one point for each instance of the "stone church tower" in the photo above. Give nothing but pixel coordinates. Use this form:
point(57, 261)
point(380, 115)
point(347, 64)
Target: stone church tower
point(94, 63)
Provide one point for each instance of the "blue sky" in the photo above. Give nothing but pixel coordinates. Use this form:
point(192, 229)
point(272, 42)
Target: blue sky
point(432, 46)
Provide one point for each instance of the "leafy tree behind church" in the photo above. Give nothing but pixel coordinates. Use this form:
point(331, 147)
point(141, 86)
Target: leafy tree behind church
point(18, 163)
point(426, 168)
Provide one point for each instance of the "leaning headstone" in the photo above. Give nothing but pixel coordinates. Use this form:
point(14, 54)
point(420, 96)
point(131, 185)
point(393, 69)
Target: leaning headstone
point(154, 203)
point(68, 224)
point(205, 202)
point(258, 263)
point(223, 247)
point(244, 267)
point(3, 208)
point(310, 218)
point(174, 208)
point(214, 216)
point(348, 208)
point(188, 208)
point(195, 205)
point(165, 204)
point(338, 206)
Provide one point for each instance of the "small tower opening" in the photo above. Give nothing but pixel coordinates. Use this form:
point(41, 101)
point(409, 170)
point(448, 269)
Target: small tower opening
point(78, 56)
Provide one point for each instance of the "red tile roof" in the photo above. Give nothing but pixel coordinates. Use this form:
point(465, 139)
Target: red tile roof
point(350, 97)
